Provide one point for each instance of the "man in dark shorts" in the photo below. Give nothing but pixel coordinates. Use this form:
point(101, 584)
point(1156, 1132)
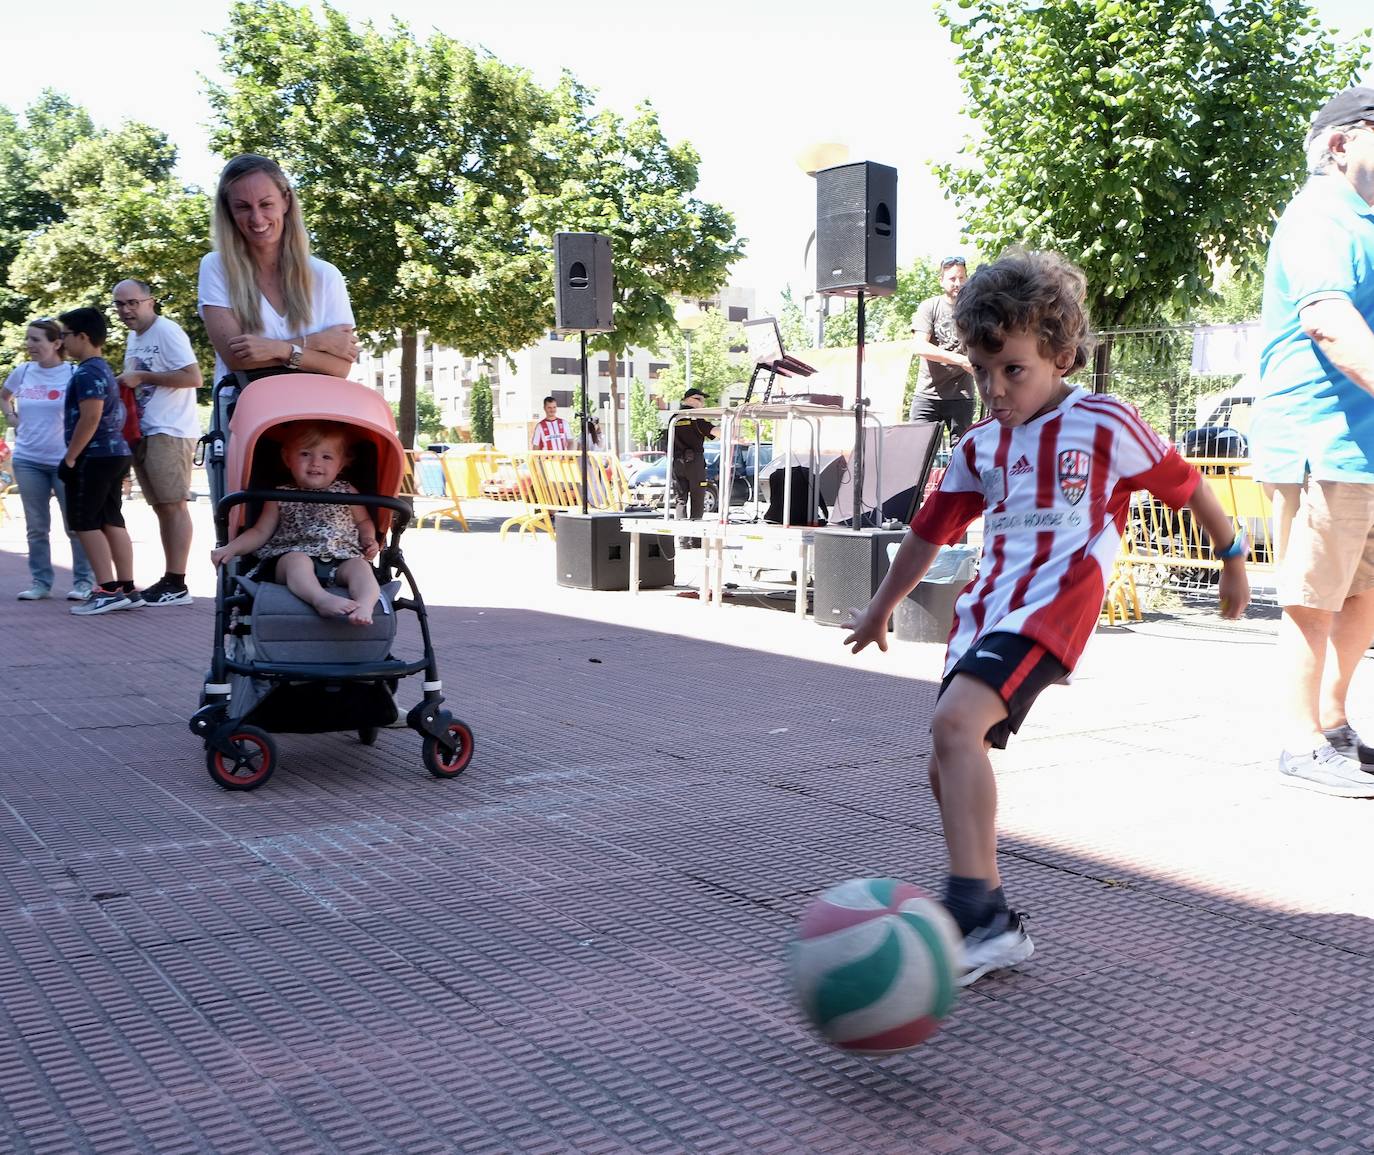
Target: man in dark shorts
point(96, 464)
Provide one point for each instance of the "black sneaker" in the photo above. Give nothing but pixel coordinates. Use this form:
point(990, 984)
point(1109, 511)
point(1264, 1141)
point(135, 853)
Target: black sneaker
point(1326, 771)
point(160, 593)
point(998, 943)
point(1347, 742)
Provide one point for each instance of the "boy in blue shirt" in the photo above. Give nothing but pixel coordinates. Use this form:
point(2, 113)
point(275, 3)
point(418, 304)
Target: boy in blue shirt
point(97, 461)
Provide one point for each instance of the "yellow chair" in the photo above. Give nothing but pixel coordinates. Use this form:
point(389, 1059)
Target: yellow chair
point(430, 479)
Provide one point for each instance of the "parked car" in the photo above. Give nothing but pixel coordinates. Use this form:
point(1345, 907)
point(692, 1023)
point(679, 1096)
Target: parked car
point(635, 463)
point(649, 484)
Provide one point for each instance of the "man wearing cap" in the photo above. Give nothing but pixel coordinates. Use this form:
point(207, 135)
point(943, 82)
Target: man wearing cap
point(944, 382)
point(690, 435)
point(1312, 440)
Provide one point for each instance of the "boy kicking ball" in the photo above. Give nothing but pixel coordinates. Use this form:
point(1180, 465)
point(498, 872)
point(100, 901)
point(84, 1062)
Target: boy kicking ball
point(1051, 472)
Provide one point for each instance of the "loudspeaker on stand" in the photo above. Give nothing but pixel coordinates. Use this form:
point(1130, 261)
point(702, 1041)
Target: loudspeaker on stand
point(583, 285)
point(856, 229)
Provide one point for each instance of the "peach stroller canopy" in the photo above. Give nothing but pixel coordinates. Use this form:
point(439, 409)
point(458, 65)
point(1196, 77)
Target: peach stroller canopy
point(271, 402)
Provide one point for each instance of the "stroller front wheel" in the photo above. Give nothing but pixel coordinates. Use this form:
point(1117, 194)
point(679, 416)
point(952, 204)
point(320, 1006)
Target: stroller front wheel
point(367, 735)
point(249, 763)
point(439, 761)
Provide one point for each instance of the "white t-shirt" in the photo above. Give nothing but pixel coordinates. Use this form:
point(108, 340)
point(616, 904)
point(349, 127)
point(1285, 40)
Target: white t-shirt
point(329, 304)
point(41, 394)
point(163, 348)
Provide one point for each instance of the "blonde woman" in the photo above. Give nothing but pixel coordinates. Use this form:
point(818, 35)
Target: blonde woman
point(268, 305)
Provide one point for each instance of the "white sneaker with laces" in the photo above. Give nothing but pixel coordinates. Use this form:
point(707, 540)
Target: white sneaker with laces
point(80, 592)
point(34, 594)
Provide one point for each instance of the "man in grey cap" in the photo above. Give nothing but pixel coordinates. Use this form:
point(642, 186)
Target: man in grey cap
point(1312, 440)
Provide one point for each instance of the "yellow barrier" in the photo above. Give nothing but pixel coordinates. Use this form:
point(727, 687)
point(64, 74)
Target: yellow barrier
point(1161, 543)
point(507, 478)
point(545, 482)
point(427, 479)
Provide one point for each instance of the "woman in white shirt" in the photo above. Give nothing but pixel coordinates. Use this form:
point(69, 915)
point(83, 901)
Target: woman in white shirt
point(33, 397)
point(268, 305)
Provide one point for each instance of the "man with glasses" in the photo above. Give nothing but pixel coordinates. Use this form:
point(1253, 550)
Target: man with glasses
point(944, 382)
point(1312, 439)
point(160, 367)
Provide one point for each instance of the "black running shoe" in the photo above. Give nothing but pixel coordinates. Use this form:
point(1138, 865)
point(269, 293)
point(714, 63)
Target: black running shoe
point(162, 594)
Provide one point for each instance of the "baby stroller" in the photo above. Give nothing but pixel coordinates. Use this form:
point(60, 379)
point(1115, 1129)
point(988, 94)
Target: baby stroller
point(278, 666)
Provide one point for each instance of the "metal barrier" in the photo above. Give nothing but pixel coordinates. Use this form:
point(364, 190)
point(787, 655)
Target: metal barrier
point(546, 482)
point(428, 477)
point(1163, 547)
point(506, 478)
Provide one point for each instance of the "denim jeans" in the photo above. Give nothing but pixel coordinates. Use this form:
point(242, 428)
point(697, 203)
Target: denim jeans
point(38, 484)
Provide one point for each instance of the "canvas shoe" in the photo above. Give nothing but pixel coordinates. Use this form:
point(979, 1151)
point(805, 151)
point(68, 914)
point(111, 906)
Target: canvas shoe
point(1326, 771)
point(35, 594)
point(999, 942)
point(106, 601)
point(80, 592)
point(162, 594)
point(1346, 742)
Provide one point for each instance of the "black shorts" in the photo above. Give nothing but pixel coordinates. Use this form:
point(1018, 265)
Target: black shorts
point(95, 492)
point(1018, 668)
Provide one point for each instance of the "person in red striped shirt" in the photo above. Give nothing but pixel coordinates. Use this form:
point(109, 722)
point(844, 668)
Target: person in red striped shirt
point(1051, 471)
point(552, 431)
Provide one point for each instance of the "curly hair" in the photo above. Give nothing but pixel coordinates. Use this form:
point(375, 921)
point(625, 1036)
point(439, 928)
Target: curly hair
point(1027, 291)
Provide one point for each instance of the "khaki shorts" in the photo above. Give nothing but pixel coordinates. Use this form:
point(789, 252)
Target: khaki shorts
point(162, 464)
point(1324, 532)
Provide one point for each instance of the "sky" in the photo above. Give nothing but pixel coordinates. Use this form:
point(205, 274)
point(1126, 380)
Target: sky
point(750, 83)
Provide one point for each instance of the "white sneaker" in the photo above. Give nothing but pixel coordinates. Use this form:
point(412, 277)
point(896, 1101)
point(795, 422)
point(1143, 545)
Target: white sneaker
point(999, 943)
point(80, 592)
point(35, 594)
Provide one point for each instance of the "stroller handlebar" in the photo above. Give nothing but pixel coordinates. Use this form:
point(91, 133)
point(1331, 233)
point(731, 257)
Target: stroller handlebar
point(399, 508)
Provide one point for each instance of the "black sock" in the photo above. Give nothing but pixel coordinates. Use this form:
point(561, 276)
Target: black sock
point(176, 580)
point(966, 899)
point(110, 588)
point(996, 899)
point(125, 587)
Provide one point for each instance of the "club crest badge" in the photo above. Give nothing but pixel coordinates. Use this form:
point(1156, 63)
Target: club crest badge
point(1073, 474)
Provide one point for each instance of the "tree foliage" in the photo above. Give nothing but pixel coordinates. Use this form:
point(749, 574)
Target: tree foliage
point(716, 363)
point(480, 407)
point(434, 176)
point(623, 179)
point(645, 425)
point(100, 206)
point(1146, 140)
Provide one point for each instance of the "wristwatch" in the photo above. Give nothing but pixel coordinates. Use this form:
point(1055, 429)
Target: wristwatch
point(294, 361)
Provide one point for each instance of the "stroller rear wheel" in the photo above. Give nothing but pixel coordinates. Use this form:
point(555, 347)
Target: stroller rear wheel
point(251, 763)
point(439, 761)
point(367, 735)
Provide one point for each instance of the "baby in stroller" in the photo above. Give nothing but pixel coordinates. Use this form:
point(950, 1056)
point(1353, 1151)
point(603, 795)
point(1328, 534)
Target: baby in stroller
point(309, 547)
point(308, 478)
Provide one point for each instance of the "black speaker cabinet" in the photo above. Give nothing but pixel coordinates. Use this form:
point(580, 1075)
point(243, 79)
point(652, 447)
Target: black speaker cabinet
point(849, 565)
point(856, 229)
point(593, 553)
point(583, 286)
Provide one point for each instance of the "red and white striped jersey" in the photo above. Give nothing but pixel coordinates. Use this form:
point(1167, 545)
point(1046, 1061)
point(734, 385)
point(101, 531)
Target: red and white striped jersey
point(551, 433)
point(1054, 494)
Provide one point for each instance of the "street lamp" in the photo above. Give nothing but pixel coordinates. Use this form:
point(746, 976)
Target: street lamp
point(689, 319)
point(813, 158)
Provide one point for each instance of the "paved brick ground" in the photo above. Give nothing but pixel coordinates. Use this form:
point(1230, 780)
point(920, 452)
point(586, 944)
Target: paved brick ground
point(577, 946)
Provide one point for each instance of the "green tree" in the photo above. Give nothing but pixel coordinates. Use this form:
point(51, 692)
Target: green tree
point(413, 161)
point(792, 326)
point(645, 425)
point(1147, 141)
point(113, 209)
point(717, 362)
point(624, 180)
point(481, 408)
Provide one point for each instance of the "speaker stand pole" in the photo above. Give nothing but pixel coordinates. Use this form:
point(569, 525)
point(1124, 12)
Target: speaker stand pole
point(860, 403)
point(584, 422)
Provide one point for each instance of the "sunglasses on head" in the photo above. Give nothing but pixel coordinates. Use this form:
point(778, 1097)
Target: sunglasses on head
point(952, 261)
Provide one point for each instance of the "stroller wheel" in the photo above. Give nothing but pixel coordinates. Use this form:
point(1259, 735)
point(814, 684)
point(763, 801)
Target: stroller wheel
point(251, 764)
point(439, 761)
point(367, 735)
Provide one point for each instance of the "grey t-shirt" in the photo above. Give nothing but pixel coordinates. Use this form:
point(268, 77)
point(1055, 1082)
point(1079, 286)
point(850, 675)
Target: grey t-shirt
point(934, 321)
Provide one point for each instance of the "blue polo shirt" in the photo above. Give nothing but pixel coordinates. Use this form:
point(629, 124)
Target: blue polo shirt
point(1309, 416)
point(94, 379)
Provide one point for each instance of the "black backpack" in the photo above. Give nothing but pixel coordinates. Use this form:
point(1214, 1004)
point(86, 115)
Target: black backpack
point(801, 497)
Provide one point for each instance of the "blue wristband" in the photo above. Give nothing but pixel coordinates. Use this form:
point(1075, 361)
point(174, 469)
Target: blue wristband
point(1235, 549)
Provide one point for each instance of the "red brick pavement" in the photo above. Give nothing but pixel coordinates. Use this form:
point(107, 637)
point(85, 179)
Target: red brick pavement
point(577, 945)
